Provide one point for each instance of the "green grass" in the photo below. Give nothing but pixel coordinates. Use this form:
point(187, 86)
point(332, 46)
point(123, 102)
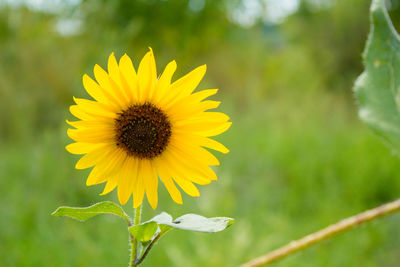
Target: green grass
point(296, 165)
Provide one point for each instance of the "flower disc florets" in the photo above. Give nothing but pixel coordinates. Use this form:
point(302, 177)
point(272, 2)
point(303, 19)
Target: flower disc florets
point(143, 130)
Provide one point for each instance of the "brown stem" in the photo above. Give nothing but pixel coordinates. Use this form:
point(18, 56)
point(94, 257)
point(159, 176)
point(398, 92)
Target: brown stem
point(334, 229)
point(149, 247)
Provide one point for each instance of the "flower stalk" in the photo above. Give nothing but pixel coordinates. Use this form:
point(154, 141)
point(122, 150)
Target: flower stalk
point(326, 233)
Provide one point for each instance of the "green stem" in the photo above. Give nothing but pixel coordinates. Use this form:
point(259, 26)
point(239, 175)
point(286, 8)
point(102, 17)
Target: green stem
point(138, 215)
point(134, 243)
point(133, 250)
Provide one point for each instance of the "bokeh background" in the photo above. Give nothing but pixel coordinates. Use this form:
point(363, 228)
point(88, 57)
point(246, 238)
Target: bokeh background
point(300, 158)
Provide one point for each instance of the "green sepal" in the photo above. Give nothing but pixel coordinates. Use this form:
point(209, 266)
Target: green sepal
point(85, 213)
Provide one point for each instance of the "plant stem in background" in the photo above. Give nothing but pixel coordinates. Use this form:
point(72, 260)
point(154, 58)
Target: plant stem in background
point(324, 234)
point(133, 242)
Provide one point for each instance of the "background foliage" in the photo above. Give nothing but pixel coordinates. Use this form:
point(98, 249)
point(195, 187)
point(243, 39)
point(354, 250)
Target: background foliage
point(300, 159)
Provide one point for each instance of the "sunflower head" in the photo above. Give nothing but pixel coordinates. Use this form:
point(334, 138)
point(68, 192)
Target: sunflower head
point(139, 128)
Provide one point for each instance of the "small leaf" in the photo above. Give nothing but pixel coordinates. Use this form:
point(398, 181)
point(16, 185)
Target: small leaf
point(378, 87)
point(82, 214)
point(144, 232)
point(194, 222)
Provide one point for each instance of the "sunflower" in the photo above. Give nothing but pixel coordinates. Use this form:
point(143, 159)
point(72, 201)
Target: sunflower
point(140, 128)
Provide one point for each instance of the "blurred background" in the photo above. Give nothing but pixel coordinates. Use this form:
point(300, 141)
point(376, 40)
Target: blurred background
point(300, 158)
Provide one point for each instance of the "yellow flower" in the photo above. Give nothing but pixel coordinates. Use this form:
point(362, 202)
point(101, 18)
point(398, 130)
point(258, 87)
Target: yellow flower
point(140, 127)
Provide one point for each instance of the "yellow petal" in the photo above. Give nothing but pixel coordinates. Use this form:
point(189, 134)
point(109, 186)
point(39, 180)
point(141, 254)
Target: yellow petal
point(208, 104)
point(80, 148)
point(91, 136)
point(111, 184)
point(186, 110)
point(110, 87)
point(167, 181)
point(204, 118)
point(126, 179)
point(185, 144)
point(164, 82)
point(151, 183)
point(191, 100)
point(94, 156)
point(93, 124)
point(94, 90)
point(96, 176)
point(94, 108)
point(194, 164)
point(190, 81)
point(210, 143)
point(133, 174)
point(217, 130)
point(107, 167)
point(129, 75)
point(130, 95)
point(80, 114)
point(204, 129)
point(203, 94)
point(204, 142)
point(147, 76)
point(185, 167)
point(119, 82)
point(185, 85)
point(138, 192)
point(187, 186)
point(113, 70)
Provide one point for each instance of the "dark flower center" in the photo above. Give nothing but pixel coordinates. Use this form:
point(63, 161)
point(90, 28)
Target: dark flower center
point(143, 130)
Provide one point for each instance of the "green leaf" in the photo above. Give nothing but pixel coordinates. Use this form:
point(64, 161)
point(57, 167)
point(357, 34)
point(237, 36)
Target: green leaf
point(378, 87)
point(194, 222)
point(144, 232)
point(163, 219)
point(82, 214)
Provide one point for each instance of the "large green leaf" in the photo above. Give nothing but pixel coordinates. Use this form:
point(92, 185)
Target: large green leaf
point(82, 214)
point(190, 222)
point(378, 87)
point(194, 222)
